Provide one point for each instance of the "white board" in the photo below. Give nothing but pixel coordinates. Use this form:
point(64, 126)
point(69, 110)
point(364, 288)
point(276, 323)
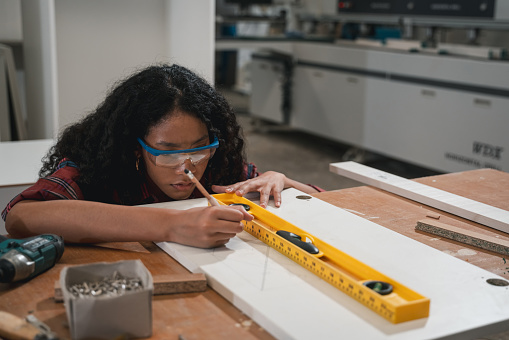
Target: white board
point(488, 215)
point(292, 303)
point(22, 160)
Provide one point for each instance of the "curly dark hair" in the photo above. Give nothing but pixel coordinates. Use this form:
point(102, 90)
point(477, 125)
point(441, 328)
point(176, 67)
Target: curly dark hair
point(103, 143)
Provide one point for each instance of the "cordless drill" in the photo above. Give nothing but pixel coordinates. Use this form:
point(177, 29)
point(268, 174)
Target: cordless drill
point(25, 258)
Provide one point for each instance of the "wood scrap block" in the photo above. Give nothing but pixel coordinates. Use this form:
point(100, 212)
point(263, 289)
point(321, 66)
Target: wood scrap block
point(164, 284)
point(433, 215)
point(464, 236)
point(179, 283)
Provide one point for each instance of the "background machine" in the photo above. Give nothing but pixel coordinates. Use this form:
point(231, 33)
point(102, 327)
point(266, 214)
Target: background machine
point(426, 82)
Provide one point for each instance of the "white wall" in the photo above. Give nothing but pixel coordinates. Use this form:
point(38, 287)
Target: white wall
point(10, 21)
point(99, 42)
point(39, 52)
point(76, 50)
point(191, 24)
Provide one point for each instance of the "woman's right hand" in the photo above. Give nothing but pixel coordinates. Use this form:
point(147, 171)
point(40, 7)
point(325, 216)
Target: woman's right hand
point(209, 227)
point(79, 221)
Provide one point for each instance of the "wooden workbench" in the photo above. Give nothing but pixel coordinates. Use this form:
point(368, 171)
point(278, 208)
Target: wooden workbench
point(401, 215)
point(208, 315)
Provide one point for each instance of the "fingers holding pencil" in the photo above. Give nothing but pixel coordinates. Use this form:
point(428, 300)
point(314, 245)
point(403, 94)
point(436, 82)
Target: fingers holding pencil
point(212, 226)
point(211, 199)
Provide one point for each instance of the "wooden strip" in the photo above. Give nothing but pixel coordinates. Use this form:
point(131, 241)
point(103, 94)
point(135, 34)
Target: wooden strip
point(164, 284)
point(464, 236)
point(457, 205)
point(13, 327)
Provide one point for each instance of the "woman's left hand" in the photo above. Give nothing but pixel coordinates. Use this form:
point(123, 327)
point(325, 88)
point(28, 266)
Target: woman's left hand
point(268, 184)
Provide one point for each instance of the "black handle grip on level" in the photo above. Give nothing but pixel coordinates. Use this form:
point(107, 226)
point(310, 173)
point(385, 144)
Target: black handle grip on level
point(295, 239)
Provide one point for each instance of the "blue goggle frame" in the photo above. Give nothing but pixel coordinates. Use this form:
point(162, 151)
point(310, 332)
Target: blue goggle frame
point(156, 152)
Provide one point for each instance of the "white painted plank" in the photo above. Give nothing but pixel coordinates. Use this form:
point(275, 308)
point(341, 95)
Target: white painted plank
point(292, 303)
point(485, 214)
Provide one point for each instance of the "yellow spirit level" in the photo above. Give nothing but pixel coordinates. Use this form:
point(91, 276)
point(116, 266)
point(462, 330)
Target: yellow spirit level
point(385, 296)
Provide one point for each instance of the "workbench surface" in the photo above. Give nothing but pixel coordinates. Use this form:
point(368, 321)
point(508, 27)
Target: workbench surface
point(208, 315)
point(401, 215)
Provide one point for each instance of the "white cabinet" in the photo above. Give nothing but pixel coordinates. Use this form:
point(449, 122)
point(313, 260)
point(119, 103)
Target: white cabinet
point(268, 94)
point(329, 103)
point(444, 129)
point(444, 113)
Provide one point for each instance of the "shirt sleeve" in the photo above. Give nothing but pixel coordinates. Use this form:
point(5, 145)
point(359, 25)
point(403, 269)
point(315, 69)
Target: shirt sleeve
point(59, 185)
point(251, 171)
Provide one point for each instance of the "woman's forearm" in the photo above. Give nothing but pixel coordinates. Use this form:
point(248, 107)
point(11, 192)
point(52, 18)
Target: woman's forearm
point(88, 222)
point(299, 186)
point(81, 221)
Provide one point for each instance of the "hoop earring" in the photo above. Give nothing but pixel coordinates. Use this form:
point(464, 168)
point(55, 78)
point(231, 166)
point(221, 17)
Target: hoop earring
point(138, 164)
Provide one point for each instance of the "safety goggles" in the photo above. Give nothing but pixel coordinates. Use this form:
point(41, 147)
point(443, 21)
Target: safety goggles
point(177, 158)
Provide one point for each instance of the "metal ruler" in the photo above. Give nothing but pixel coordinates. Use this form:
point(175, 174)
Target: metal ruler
point(385, 296)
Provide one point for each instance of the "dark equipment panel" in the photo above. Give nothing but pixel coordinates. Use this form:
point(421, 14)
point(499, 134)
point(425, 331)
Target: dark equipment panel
point(481, 9)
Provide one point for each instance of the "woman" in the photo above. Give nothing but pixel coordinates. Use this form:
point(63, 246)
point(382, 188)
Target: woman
point(133, 150)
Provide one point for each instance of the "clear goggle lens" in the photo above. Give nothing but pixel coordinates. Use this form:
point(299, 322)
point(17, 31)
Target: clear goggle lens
point(178, 159)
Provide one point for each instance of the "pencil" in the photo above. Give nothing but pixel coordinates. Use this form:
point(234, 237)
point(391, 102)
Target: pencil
point(200, 187)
